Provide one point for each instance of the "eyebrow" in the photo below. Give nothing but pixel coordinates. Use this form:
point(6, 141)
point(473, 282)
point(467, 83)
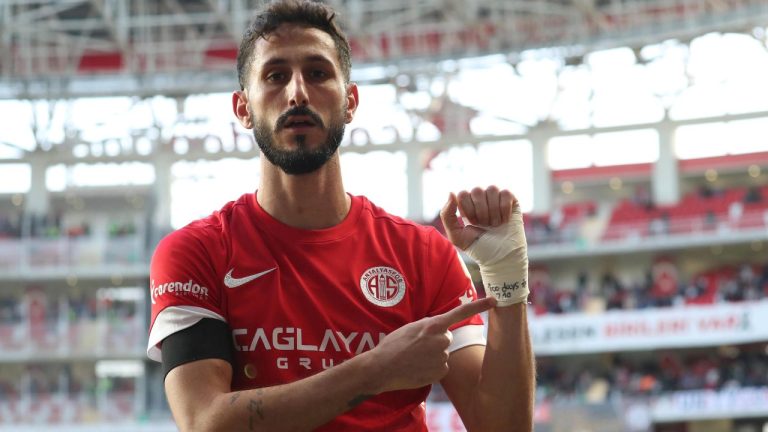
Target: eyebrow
point(316, 58)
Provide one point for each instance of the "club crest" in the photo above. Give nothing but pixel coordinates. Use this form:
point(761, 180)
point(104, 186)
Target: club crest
point(383, 286)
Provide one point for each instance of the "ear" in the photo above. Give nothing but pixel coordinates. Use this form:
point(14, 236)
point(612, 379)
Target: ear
point(240, 108)
point(353, 99)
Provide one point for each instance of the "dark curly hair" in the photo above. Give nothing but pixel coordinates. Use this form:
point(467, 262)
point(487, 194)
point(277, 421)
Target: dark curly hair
point(303, 12)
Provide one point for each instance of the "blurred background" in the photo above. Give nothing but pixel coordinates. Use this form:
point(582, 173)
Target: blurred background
point(634, 132)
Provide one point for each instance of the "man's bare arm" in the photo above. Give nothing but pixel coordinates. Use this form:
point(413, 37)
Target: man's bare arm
point(413, 356)
point(493, 387)
point(200, 398)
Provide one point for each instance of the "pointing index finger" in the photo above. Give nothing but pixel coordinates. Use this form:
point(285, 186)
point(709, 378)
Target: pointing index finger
point(460, 313)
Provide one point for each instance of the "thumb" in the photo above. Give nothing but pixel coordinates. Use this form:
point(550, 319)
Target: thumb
point(460, 235)
point(448, 216)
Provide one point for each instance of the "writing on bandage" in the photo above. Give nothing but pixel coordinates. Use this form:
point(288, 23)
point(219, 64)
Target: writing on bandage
point(502, 254)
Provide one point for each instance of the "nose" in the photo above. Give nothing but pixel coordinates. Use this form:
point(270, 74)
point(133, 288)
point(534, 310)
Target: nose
point(297, 91)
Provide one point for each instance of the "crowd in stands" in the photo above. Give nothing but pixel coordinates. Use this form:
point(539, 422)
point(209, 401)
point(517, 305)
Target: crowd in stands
point(55, 393)
point(53, 226)
point(46, 322)
point(10, 309)
point(53, 241)
point(10, 225)
point(614, 375)
point(45, 226)
point(745, 282)
point(74, 322)
point(120, 229)
point(618, 374)
point(40, 226)
point(706, 209)
point(52, 379)
point(561, 225)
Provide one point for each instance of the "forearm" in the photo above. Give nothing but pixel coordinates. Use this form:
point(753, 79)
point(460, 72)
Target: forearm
point(413, 356)
point(299, 406)
point(494, 388)
point(505, 392)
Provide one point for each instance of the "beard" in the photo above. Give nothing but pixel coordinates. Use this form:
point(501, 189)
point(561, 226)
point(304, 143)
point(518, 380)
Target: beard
point(303, 159)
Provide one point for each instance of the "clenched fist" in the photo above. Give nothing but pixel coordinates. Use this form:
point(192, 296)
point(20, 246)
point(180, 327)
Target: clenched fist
point(494, 238)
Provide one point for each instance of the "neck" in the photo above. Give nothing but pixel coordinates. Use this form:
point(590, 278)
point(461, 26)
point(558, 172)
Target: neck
point(310, 201)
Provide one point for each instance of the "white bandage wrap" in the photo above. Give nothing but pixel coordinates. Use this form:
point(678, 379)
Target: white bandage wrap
point(502, 254)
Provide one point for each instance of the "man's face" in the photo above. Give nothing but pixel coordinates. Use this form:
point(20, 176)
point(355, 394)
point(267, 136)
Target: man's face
point(298, 100)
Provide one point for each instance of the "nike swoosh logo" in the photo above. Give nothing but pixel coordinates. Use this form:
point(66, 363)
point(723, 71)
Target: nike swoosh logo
point(232, 282)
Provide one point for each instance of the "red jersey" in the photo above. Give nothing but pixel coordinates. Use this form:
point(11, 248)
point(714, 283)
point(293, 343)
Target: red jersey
point(300, 301)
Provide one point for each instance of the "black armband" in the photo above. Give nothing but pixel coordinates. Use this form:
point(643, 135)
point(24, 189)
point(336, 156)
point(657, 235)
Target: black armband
point(208, 338)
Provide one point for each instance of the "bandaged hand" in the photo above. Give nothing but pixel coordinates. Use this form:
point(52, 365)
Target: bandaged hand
point(494, 238)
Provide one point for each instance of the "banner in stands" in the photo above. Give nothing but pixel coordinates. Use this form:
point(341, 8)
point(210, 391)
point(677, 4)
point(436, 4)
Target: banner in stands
point(674, 327)
point(711, 404)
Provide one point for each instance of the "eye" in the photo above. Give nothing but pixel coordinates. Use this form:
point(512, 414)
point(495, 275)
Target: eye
point(276, 76)
point(318, 74)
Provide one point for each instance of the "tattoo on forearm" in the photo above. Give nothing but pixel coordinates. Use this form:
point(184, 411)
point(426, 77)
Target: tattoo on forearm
point(234, 398)
point(357, 400)
point(255, 408)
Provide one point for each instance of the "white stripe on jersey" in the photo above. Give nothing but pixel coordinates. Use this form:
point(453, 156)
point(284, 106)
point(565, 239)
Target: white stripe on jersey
point(467, 335)
point(173, 319)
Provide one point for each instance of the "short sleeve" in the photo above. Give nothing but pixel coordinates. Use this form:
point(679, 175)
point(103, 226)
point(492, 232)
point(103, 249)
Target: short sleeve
point(449, 274)
point(183, 284)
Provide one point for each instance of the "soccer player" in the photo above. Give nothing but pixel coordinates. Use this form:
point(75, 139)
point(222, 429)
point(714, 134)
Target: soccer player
point(301, 307)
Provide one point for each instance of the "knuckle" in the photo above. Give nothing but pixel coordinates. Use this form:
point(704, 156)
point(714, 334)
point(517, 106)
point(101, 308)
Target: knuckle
point(444, 344)
point(431, 326)
point(444, 370)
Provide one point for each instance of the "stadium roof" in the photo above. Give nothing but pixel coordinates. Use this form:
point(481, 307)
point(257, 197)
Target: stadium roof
point(72, 48)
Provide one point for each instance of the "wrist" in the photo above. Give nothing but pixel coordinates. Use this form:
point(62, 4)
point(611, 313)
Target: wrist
point(502, 254)
point(507, 280)
point(373, 372)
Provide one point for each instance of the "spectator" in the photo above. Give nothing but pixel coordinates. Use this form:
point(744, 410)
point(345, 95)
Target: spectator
point(659, 225)
point(642, 197)
point(735, 210)
point(10, 225)
point(613, 292)
point(753, 195)
point(707, 191)
point(710, 220)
